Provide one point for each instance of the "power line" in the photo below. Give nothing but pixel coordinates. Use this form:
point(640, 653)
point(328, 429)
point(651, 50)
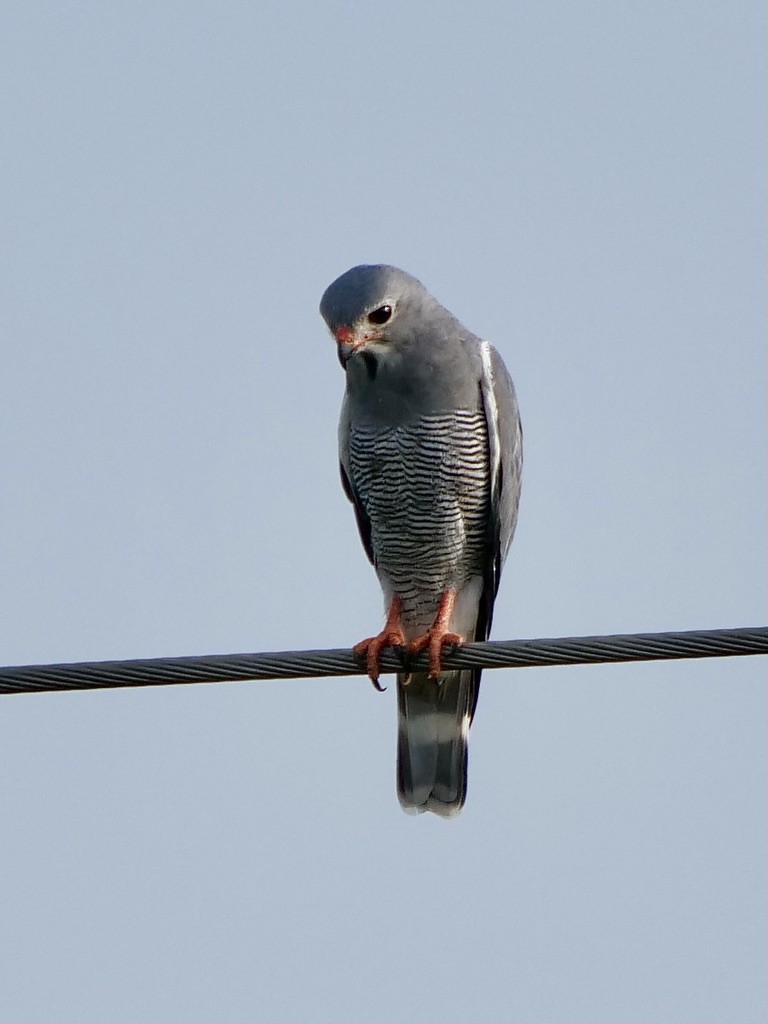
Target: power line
point(582, 650)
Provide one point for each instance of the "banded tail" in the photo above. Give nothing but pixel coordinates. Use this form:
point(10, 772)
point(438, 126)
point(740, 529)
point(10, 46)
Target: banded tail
point(434, 716)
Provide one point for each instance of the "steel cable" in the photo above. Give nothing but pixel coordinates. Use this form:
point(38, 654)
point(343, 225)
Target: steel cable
point(582, 650)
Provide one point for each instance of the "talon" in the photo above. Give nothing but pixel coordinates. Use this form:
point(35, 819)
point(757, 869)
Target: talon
point(435, 639)
point(438, 636)
point(391, 636)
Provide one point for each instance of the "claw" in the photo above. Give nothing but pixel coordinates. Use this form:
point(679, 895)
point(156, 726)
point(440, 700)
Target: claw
point(391, 636)
point(371, 650)
point(438, 636)
point(434, 640)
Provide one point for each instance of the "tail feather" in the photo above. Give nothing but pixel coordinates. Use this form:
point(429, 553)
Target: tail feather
point(433, 729)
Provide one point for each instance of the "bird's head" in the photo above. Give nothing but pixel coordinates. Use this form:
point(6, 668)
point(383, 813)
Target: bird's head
point(373, 311)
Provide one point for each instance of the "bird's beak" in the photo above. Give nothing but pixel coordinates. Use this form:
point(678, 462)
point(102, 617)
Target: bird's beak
point(347, 343)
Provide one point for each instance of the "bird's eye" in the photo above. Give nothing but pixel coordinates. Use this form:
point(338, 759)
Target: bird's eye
point(380, 315)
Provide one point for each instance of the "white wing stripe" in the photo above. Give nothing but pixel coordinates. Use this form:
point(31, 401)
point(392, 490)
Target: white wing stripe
point(492, 418)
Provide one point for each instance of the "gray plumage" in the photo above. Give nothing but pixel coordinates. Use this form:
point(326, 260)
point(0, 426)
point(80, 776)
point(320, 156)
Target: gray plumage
point(430, 448)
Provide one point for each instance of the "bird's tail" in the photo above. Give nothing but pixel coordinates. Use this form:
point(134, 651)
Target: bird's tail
point(434, 716)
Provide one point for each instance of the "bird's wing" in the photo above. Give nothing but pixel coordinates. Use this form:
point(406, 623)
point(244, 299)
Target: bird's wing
point(505, 446)
point(363, 522)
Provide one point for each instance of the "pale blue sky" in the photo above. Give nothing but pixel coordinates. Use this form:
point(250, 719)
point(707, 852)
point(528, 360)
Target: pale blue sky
point(583, 184)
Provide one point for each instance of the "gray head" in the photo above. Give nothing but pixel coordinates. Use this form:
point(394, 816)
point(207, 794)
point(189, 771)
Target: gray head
point(381, 308)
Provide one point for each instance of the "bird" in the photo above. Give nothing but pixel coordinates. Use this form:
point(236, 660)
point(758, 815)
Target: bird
point(430, 456)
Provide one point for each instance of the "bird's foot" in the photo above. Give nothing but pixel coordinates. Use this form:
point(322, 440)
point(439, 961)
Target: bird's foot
point(372, 648)
point(391, 636)
point(434, 640)
point(438, 635)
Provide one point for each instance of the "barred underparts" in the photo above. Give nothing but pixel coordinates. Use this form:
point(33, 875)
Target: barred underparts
point(425, 489)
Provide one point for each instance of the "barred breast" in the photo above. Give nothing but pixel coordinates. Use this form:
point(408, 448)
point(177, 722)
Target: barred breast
point(425, 488)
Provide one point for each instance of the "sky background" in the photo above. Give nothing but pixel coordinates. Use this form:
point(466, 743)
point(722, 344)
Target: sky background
point(584, 185)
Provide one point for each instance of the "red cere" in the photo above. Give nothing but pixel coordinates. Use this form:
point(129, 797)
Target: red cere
point(344, 334)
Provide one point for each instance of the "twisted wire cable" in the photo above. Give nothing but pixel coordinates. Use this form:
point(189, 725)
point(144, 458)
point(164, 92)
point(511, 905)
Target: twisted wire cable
point(582, 650)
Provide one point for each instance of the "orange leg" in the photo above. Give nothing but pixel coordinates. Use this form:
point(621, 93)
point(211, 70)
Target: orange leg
point(437, 636)
point(391, 636)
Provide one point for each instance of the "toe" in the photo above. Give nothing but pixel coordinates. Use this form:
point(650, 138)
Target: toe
point(372, 663)
point(420, 644)
point(370, 651)
point(437, 643)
